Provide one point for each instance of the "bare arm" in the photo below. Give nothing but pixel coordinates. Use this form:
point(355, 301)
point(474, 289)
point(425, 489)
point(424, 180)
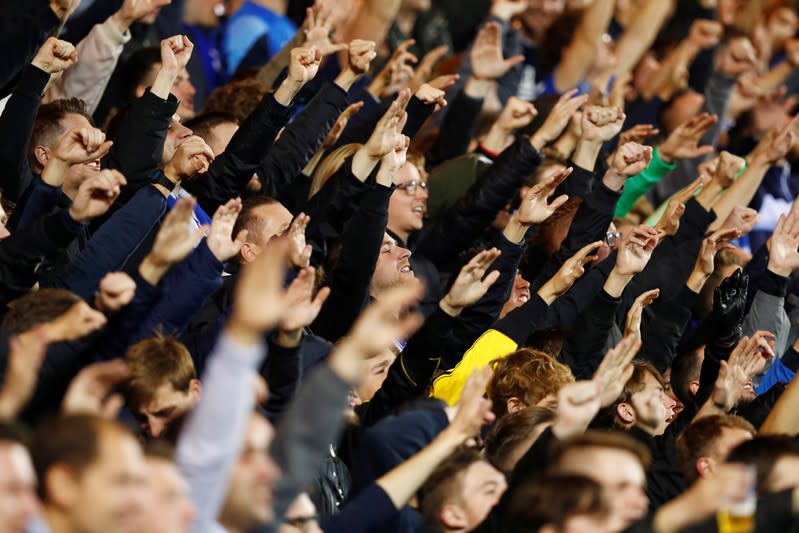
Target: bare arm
point(574, 65)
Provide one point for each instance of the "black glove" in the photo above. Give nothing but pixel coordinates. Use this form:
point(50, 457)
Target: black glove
point(729, 308)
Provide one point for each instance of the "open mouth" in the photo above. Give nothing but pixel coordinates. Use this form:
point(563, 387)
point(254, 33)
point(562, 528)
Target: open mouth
point(94, 165)
point(405, 269)
point(419, 210)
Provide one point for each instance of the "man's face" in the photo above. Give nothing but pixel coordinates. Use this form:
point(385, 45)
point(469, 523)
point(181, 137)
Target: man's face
point(77, 173)
point(18, 502)
point(519, 295)
point(166, 405)
point(273, 221)
point(654, 408)
point(618, 472)
point(170, 510)
point(481, 487)
point(393, 266)
point(111, 495)
point(220, 136)
point(406, 211)
point(376, 375)
point(249, 497)
point(184, 91)
point(175, 136)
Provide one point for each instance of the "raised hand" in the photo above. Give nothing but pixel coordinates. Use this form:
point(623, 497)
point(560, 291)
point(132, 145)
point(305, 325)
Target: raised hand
point(304, 64)
point(90, 391)
point(80, 320)
point(633, 324)
point(557, 120)
point(387, 132)
point(174, 242)
point(392, 162)
point(25, 358)
point(486, 56)
point(729, 307)
point(318, 27)
point(705, 261)
point(615, 369)
point(733, 377)
point(379, 327)
point(430, 95)
point(303, 307)
point(736, 57)
point(572, 270)
point(55, 56)
point(361, 55)
point(534, 208)
point(299, 251)
point(669, 223)
point(578, 404)
point(683, 143)
point(775, 145)
point(517, 114)
point(220, 236)
point(636, 250)
point(783, 256)
point(630, 159)
point(81, 145)
point(116, 290)
point(193, 156)
point(727, 169)
point(472, 283)
point(96, 195)
point(473, 410)
point(638, 134)
point(176, 52)
point(397, 70)
point(424, 72)
point(341, 124)
point(757, 352)
point(741, 218)
point(600, 124)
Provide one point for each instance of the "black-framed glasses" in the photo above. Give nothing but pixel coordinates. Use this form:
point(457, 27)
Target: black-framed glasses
point(412, 186)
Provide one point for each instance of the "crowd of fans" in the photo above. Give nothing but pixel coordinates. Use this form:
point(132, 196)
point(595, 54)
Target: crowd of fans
point(399, 266)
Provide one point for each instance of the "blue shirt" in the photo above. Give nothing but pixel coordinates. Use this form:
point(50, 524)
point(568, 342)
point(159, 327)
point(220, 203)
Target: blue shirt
point(250, 23)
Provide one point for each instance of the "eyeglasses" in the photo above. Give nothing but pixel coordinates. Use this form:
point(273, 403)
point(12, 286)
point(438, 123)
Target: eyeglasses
point(612, 238)
point(302, 523)
point(412, 186)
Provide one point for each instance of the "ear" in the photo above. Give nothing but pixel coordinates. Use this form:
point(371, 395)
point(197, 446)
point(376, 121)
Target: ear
point(704, 466)
point(693, 387)
point(514, 404)
point(248, 254)
point(195, 389)
point(452, 517)
point(626, 412)
point(42, 155)
point(61, 487)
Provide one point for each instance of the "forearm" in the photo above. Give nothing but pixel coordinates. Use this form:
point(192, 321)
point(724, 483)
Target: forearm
point(740, 193)
point(642, 183)
point(210, 441)
point(270, 72)
point(640, 35)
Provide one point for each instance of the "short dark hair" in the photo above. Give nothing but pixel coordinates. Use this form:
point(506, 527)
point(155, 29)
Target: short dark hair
point(763, 453)
point(203, 124)
point(511, 430)
point(238, 98)
point(246, 219)
point(552, 499)
point(14, 432)
point(73, 441)
point(441, 484)
point(35, 308)
point(698, 440)
point(47, 126)
point(685, 368)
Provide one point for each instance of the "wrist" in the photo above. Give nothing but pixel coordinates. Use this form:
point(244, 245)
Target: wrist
point(449, 308)
point(121, 22)
point(616, 283)
point(497, 140)
point(171, 173)
point(152, 269)
point(613, 180)
point(696, 281)
point(586, 153)
point(477, 88)
point(287, 91)
point(548, 293)
point(55, 172)
point(538, 140)
point(346, 79)
point(779, 269)
point(666, 155)
point(515, 231)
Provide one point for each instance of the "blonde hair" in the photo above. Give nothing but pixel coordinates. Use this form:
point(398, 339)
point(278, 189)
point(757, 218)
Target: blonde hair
point(330, 165)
